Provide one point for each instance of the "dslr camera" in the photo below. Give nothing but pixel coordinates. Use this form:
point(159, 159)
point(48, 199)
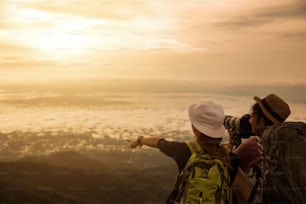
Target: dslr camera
point(238, 128)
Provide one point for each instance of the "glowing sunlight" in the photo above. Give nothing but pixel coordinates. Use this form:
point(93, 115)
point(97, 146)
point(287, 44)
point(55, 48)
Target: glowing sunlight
point(124, 39)
point(60, 37)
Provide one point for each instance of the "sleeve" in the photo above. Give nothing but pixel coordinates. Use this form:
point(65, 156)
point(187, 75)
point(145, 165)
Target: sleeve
point(249, 153)
point(234, 159)
point(178, 151)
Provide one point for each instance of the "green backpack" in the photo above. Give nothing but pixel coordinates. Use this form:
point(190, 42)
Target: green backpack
point(204, 179)
point(284, 163)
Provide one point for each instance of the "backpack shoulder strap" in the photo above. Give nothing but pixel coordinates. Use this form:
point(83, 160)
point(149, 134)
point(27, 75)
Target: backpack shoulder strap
point(197, 154)
point(194, 147)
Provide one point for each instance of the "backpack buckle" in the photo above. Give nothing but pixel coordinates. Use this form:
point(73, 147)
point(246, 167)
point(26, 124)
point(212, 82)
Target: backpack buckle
point(301, 137)
point(302, 134)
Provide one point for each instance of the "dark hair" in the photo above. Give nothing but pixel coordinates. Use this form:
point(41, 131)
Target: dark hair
point(256, 110)
point(212, 146)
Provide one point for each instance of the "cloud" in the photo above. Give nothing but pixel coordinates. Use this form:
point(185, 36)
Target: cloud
point(16, 56)
point(197, 39)
point(168, 44)
point(283, 11)
point(11, 62)
point(8, 47)
point(94, 25)
point(4, 24)
point(104, 9)
point(294, 35)
point(242, 22)
point(265, 15)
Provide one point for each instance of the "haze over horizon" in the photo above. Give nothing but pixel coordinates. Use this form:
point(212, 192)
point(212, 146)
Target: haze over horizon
point(242, 42)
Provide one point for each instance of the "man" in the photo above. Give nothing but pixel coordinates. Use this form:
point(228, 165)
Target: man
point(271, 110)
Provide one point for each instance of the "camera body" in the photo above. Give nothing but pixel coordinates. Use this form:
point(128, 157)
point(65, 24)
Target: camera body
point(238, 128)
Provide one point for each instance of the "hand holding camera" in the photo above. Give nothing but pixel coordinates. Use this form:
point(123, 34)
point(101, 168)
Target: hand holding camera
point(238, 128)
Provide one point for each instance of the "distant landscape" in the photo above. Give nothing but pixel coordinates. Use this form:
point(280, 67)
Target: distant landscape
point(289, 89)
point(68, 142)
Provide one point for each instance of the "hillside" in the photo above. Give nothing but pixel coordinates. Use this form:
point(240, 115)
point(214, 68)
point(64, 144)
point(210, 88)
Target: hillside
point(70, 177)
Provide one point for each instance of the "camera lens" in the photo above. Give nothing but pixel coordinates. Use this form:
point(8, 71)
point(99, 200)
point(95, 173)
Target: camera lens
point(231, 122)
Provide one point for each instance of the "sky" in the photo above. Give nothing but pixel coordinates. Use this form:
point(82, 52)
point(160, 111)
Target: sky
point(247, 42)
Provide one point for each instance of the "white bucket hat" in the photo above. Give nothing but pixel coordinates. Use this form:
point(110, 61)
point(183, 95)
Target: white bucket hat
point(208, 117)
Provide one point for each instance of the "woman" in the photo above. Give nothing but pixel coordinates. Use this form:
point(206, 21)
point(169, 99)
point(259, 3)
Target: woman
point(207, 125)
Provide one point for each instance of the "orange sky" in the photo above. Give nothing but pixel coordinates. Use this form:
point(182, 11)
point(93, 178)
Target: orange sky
point(244, 41)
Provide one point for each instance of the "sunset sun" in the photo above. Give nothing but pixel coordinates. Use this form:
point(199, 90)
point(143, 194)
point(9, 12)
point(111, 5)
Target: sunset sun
point(58, 36)
point(63, 44)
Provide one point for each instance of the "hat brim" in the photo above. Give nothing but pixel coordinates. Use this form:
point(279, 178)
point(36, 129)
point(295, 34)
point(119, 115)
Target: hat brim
point(265, 111)
point(218, 132)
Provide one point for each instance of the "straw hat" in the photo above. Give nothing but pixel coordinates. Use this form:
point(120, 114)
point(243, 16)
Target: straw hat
point(274, 108)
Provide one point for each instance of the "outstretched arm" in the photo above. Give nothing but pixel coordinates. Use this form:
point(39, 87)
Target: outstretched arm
point(148, 141)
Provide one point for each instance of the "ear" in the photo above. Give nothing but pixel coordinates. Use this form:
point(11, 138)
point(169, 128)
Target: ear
point(261, 122)
point(261, 125)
